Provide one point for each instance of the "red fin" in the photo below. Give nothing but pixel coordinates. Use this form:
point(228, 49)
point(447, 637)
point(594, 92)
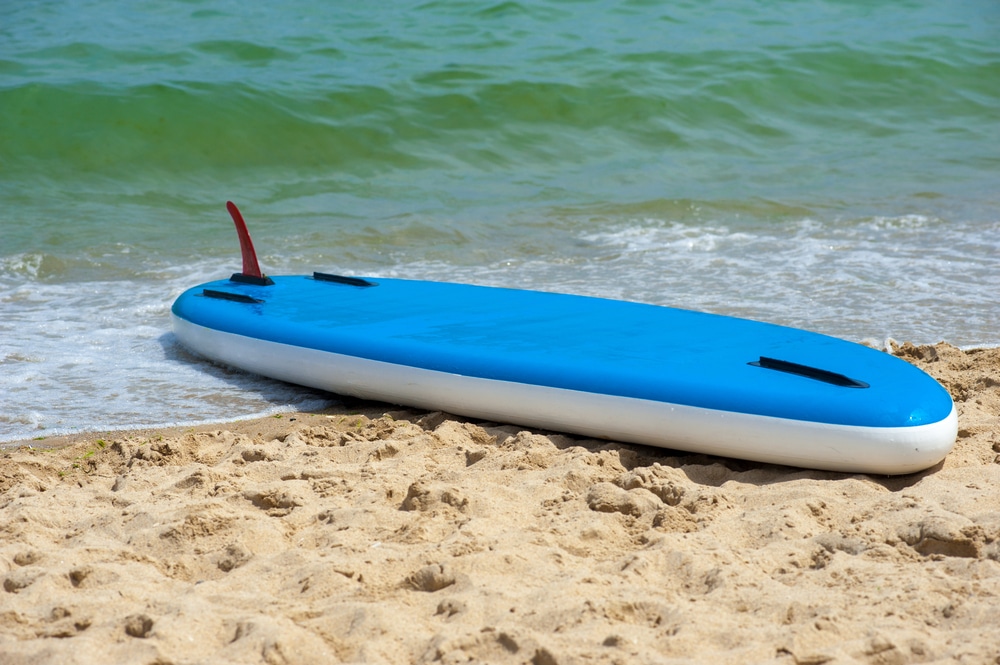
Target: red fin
point(250, 266)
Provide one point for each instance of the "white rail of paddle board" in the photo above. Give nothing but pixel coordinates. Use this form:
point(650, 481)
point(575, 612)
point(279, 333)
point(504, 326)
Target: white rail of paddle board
point(853, 449)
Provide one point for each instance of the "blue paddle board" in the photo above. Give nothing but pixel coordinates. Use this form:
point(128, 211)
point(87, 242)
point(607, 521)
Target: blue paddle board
point(604, 368)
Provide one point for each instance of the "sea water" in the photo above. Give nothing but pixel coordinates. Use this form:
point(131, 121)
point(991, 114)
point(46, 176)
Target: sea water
point(826, 164)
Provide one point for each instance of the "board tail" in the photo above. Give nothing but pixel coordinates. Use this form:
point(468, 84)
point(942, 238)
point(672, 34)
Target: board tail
point(251, 269)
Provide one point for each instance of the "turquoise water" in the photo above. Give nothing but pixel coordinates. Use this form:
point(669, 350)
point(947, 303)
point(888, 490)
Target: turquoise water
point(832, 165)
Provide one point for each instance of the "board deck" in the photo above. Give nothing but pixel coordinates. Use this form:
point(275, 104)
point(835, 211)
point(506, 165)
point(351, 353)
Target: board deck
point(606, 368)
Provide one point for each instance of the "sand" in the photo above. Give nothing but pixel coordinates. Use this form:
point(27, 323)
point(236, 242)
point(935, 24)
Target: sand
point(368, 533)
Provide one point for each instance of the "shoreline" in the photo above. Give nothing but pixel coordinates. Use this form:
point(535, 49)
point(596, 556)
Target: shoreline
point(368, 532)
point(46, 441)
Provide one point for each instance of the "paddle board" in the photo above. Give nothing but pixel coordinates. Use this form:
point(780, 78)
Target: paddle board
point(601, 368)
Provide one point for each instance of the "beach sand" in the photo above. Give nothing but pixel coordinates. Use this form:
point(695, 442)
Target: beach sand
point(370, 533)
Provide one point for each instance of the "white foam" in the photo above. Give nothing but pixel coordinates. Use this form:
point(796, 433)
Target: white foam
point(914, 277)
point(100, 355)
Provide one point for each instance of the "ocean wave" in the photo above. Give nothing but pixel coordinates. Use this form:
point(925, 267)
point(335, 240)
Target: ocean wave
point(547, 110)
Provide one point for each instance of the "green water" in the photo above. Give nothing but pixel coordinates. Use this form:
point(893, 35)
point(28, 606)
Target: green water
point(828, 164)
point(444, 106)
